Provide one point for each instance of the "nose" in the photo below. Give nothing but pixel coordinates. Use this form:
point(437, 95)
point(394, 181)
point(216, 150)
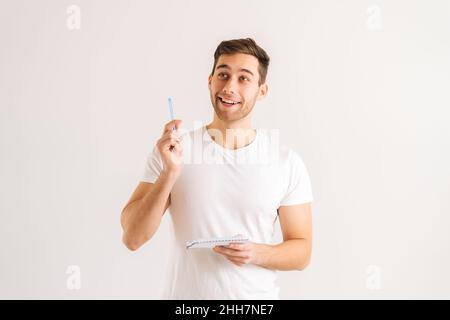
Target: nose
point(229, 87)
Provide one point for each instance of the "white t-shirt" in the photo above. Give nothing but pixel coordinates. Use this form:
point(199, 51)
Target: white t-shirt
point(222, 192)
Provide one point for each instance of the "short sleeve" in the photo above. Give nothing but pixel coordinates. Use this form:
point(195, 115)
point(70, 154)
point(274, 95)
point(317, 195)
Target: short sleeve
point(298, 189)
point(153, 166)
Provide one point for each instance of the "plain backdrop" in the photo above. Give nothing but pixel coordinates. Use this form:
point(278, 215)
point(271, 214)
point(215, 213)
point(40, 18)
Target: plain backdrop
point(360, 89)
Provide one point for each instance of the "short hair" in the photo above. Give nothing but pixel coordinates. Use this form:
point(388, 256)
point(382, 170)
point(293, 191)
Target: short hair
point(246, 46)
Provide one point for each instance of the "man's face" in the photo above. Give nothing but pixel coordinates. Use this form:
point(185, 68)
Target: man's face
point(234, 87)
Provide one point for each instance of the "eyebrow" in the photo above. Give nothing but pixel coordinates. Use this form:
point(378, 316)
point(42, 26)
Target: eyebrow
point(228, 67)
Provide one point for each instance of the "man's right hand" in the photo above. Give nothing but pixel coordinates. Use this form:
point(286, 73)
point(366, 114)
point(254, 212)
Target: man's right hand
point(170, 148)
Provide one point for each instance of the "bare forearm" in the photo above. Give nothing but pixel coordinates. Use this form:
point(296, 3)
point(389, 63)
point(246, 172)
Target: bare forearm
point(141, 219)
point(291, 254)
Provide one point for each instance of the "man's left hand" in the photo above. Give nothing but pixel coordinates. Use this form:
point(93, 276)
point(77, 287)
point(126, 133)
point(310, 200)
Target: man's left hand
point(243, 253)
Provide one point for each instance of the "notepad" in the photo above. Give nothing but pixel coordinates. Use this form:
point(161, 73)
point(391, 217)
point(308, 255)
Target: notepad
point(212, 242)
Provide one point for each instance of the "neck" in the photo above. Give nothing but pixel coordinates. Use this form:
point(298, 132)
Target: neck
point(231, 135)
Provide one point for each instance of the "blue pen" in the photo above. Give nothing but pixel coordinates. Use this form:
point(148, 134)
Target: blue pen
point(171, 113)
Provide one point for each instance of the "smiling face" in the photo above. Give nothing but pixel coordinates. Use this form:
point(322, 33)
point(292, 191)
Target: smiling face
point(234, 87)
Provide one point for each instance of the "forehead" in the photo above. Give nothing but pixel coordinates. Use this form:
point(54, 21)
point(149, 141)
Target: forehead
point(239, 61)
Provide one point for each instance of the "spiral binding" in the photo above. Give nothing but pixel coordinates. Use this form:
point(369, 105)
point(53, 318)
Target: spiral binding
point(233, 239)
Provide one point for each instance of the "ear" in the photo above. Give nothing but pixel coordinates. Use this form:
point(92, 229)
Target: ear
point(263, 90)
point(209, 81)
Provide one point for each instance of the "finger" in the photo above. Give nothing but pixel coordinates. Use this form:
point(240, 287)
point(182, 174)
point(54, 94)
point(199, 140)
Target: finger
point(238, 262)
point(171, 134)
point(168, 141)
point(178, 149)
point(169, 125)
point(219, 251)
point(231, 252)
point(237, 246)
point(174, 146)
point(169, 147)
point(171, 141)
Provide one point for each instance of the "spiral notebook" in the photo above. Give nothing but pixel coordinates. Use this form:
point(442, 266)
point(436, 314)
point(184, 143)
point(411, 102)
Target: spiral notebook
point(212, 242)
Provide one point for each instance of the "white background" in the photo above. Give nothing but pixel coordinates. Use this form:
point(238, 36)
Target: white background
point(360, 89)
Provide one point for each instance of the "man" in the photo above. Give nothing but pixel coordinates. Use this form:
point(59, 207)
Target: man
point(228, 197)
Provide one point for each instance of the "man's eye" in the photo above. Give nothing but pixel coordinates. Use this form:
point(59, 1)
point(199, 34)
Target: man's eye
point(222, 75)
point(245, 78)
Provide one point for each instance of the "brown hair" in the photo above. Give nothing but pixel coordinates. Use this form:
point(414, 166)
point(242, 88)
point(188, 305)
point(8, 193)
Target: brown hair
point(246, 46)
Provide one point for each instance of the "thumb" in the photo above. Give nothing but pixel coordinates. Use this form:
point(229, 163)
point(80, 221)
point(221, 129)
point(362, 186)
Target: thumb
point(178, 124)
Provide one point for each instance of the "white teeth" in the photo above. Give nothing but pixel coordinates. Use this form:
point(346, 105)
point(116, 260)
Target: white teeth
point(228, 101)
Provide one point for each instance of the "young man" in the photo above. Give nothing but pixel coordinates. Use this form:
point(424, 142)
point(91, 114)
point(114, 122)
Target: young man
point(227, 197)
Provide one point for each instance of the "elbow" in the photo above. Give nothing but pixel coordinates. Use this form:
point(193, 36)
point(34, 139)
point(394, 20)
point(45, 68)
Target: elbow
point(132, 243)
point(304, 263)
point(132, 246)
point(305, 257)
point(130, 239)
point(303, 266)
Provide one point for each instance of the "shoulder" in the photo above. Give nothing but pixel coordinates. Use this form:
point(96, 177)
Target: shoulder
point(294, 162)
point(289, 157)
point(280, 153)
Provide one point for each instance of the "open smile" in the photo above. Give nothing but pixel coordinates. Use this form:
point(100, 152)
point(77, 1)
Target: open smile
point(228, 103)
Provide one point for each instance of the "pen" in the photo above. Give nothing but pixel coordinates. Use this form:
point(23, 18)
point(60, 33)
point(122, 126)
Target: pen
point(171, 112)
